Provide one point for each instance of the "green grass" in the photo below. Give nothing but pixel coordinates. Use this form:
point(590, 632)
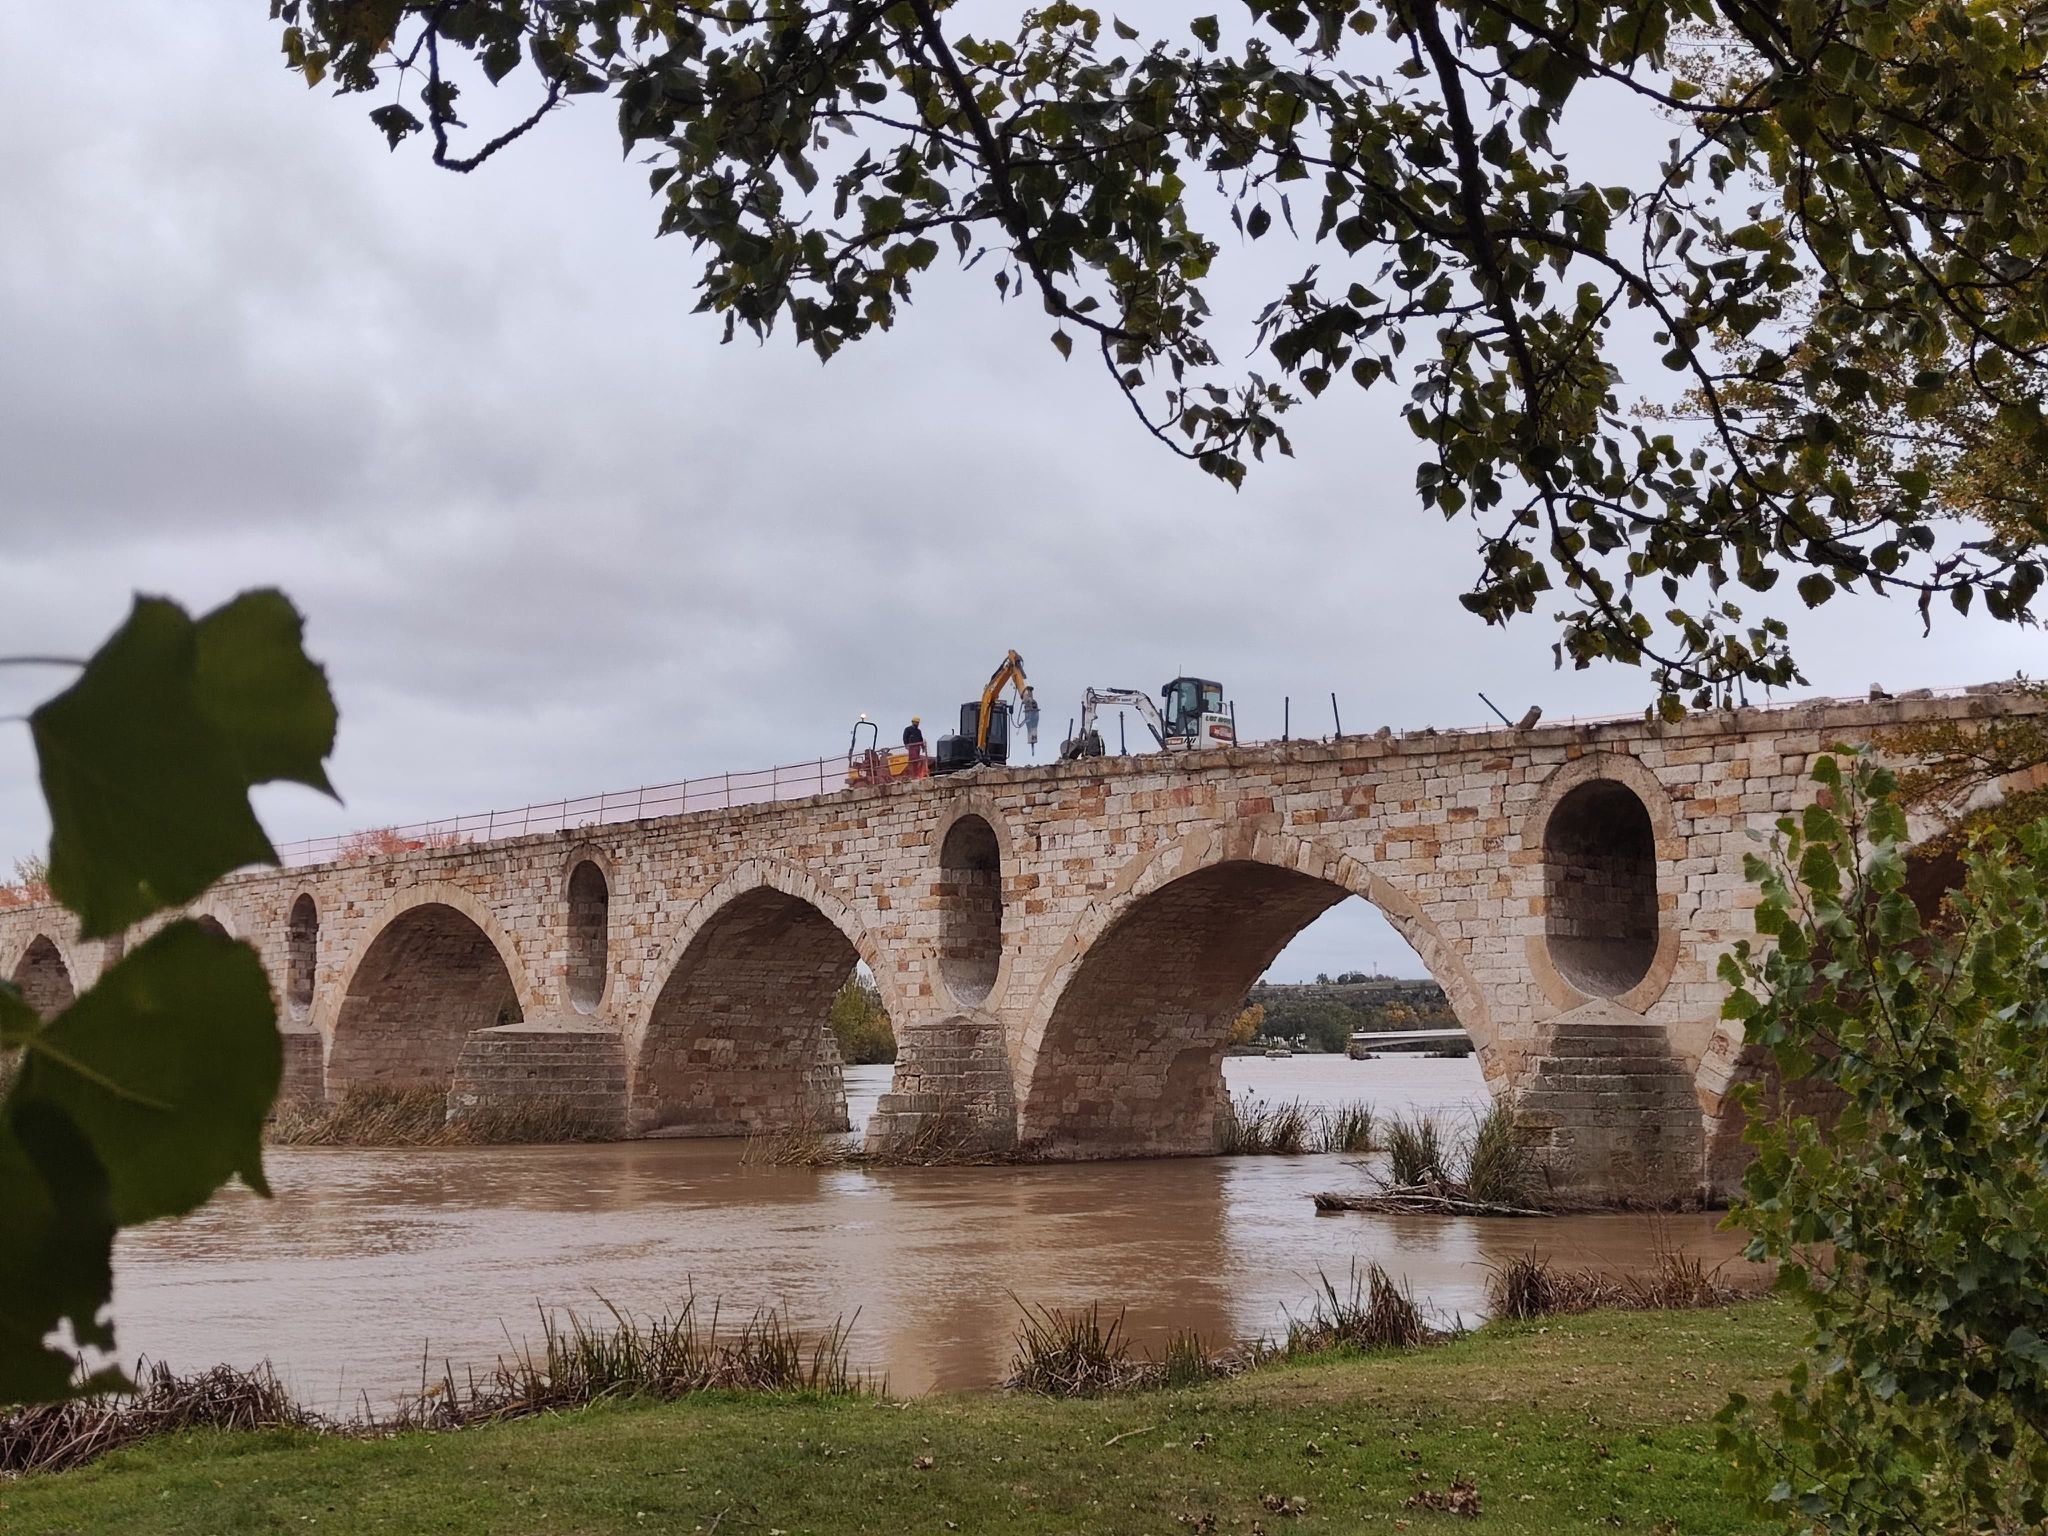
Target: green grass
point(1595, 1423)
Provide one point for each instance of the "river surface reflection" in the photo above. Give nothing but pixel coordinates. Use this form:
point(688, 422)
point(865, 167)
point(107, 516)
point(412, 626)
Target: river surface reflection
point(368, 1261)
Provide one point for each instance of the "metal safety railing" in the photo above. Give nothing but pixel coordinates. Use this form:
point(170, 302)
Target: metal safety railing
point(713, 792)
point(789, 781)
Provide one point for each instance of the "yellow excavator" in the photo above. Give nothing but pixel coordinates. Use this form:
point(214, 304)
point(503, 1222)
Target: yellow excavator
point(983, 737)
point(984, 734)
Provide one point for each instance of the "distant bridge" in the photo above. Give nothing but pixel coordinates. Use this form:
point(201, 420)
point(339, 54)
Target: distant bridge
point(1062, 948)
point(1367, 1040)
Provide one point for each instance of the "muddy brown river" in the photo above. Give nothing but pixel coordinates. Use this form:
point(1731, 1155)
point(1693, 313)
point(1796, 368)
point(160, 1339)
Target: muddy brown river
point(369, 1261)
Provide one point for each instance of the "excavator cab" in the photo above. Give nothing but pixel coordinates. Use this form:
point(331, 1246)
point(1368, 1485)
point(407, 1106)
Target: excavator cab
point(984, 735)
point(957, 751)
point(1194, 713)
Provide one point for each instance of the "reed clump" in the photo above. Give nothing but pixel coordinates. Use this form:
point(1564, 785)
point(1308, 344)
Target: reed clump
point(1499, 1175)
point(578, 1362)
point(1415, 1152)
point(1499, 1167)
point(1528, 1287)
point(1074, 1352)
point(1252, 1127)
point(1348, 1128)
point(418, 1117)
point(1373, 1314)
point(53, 1437)
point(658, 1359)
point(803, 1143)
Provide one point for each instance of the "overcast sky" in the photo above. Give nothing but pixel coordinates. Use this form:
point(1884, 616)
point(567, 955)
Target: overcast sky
point(551, 537)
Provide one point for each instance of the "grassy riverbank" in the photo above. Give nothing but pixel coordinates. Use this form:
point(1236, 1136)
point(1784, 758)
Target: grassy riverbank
point(1594, 1423)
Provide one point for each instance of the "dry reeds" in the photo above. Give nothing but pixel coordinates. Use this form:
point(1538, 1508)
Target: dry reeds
point(1374, 1314)
point(1074, 1353)
point(51, 1437)
point(946, 1137)
point(418, 1117)
point(1528, 1287)
point(660, 1359)
point(578, 1363)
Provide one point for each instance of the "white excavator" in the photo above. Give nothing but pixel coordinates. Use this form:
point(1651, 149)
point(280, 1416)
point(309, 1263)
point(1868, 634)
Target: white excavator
point(1191, 716)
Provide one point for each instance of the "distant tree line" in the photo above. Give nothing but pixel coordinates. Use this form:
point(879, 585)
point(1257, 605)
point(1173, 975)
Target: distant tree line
point(1327, 1012)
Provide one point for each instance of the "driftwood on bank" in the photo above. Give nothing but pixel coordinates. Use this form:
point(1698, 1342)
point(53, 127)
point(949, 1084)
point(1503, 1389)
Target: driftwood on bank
point(1418, 1199)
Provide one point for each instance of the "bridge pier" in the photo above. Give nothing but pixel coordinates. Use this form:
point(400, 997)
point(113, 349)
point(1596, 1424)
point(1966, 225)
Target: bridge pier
point(1611, 1113)
point(952, 1085)
point(545, 1078)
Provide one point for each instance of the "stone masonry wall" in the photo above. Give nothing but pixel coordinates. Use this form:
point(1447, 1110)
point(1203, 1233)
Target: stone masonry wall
point(1133, 893)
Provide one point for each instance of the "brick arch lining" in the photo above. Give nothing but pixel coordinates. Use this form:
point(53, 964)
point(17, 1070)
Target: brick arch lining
point(429, 977)
point(43, 977)
point(739, 1039)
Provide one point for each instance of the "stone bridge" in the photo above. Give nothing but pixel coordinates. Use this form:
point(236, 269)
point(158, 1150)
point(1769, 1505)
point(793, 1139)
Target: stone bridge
point(1062, 949)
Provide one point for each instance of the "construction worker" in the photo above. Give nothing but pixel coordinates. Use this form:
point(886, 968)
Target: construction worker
point(913, 742)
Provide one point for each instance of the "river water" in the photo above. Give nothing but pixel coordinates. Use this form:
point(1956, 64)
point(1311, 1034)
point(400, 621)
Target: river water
point(369, 1261)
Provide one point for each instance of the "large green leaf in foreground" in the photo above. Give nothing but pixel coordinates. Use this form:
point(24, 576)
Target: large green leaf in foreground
point(150, 1090)
point(169, 1064)
point(147, 760)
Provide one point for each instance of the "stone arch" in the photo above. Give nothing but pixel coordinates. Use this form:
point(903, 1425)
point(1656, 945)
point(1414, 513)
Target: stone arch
point(737, 1038)
point(434, 967)
point(1605, 837)
point(969, 887)
point(301, 954)
point(44, 976)
point(587, 903)
point(1123, 1053)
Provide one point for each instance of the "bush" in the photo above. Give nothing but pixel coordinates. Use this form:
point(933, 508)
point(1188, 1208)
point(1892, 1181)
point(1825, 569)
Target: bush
point(861, 1024)
point(1913, 1228)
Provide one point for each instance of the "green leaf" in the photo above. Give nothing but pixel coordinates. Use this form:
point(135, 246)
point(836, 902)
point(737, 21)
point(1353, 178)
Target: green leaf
point(1205, 30)
point(169, 1064)
point(17, 1020)
point(265, 695)
point(147, 759)
point(56, 1249)
point(148, 805)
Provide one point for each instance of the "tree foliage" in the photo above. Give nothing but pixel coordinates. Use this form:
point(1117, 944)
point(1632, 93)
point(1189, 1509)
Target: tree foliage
point(1916, 1228)
point(861, 1025)
point(1853, 230)
point(150, 1090)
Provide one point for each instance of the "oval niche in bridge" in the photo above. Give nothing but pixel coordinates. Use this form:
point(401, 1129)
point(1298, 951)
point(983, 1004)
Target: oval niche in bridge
point(970, 909)
point(301, 955)
point(1600, 888)
point(590, 907)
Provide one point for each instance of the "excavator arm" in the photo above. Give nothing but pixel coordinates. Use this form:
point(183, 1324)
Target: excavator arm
point(1010, 674)
point(1122, 698)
